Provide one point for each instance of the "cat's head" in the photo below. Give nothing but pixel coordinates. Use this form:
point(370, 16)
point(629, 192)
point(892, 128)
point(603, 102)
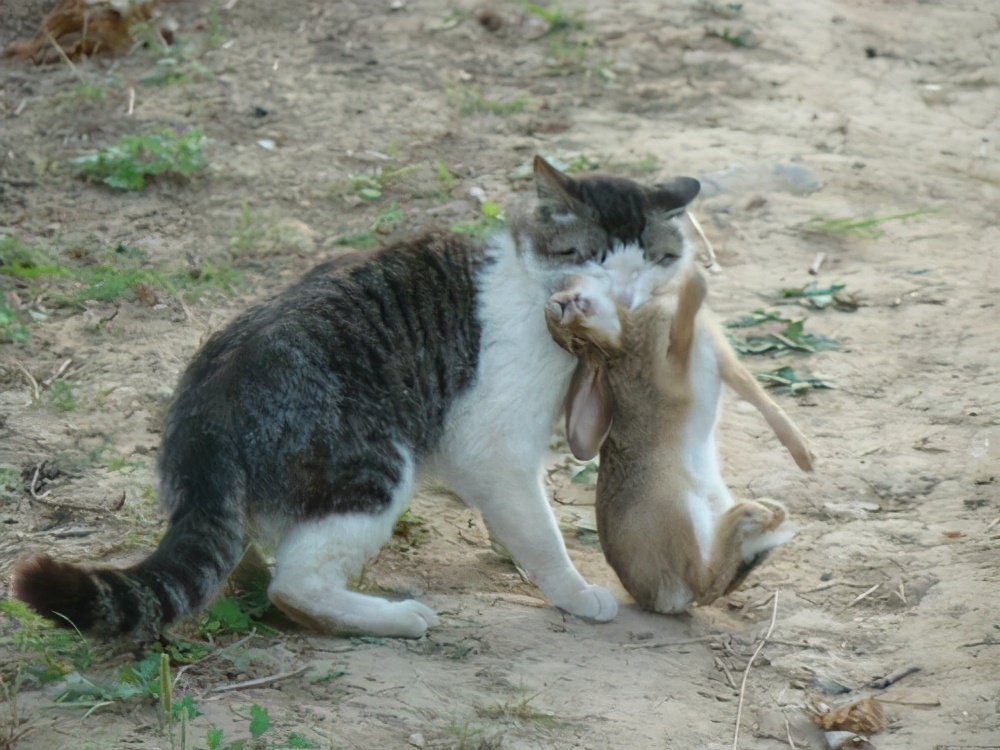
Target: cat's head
point(625, 227)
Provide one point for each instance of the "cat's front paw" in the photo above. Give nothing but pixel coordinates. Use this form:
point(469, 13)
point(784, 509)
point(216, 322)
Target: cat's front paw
point(593, 602)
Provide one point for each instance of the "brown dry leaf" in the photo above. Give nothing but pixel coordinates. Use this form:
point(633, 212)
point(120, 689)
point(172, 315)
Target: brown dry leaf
point(864, 716)
point(83, 28)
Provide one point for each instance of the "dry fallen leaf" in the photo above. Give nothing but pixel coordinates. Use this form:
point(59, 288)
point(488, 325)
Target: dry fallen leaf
point(864, 716)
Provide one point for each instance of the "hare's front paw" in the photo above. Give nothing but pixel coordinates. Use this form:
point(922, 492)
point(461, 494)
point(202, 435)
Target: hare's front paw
point(593, 602)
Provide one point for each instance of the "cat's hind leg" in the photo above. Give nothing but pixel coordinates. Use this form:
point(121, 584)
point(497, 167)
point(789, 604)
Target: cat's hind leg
point(317, 559)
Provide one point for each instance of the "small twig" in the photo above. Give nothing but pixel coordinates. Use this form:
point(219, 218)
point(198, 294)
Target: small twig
point(817, 263)
point(788, 734)
point(58, 373)
point(991, 524)
point(892, 678)
point(35, 390)
point(987, 642)
point(64, 56)
point(746, 672)
point(187, 311)
point(34, 483)
point(259, 681)
point(710, 262)
point(725, 670)
point(905, 702)
point(668, 644)
point(131, 100)
point(862, 595)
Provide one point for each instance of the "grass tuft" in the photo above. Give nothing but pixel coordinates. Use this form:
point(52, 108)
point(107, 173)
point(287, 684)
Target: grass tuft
point(133, 160)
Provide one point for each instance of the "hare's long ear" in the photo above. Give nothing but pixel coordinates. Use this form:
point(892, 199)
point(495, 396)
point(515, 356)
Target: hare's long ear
point(589, 406)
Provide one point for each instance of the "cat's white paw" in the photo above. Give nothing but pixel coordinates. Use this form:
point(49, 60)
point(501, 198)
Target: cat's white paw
point(407, 619)
point(593, 602)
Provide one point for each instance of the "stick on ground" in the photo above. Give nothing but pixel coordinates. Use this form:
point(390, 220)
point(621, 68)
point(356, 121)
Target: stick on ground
point(746, 673)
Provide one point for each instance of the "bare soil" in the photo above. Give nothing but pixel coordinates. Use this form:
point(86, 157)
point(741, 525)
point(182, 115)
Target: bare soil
point(839, 109)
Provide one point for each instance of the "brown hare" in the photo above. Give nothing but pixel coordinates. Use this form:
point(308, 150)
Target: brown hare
point(645, 394)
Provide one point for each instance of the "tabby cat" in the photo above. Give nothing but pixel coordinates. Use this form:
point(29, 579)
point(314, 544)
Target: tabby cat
point(307, 422)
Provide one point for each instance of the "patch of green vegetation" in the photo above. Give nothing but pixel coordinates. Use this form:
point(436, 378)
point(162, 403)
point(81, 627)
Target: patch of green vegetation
point(445, 176)
point(470, 102)
point(12, 330)
point(410, 529)
point(24, 261)
point(384, 223)
point(727, 10)
point(45, 653)
point(786, 379)
point(238, 613)
point(115, 461)
point(743, 39)
point(866, 227)
point(130, 162)
point(490, 219)
point(566, 48)
point(469, 736)
point(60, 395)
point(642, 167)
point(11, 482)
point(519, 712)
point(756, 318)
point(587, 474)
point(556, 19)
point(792, 339)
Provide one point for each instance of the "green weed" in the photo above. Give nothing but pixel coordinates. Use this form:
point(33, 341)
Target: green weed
point(792, 339)
point(11, 482)
point(865, 228)
point(410, 529)
point(60, 395)
point(556, 19)
point(490, 219)
point(788, 380)
point(238, 613)
point(385, 222)
point(519, 712)
point(130, 162)
point(470, 102)
point(743, 39)
point(24, 261)
point(12, 330)
point(445, 177)
point(46, 653)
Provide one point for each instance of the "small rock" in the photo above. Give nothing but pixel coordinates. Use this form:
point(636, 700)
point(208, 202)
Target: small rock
point(417, 739)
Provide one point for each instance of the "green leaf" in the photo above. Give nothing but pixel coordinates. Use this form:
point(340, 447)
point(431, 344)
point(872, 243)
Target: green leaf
point(260, 722)
point(213, 738)
point(296, 740)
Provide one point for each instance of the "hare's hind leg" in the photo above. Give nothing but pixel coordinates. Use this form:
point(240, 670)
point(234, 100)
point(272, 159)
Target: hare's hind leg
point(740, 379)
point(745, 535)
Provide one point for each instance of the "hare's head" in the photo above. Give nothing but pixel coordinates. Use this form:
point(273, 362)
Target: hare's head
point(596, 220)
point(586, 319)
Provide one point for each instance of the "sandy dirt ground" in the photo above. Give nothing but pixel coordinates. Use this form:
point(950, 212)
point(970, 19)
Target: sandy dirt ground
point(794, 115)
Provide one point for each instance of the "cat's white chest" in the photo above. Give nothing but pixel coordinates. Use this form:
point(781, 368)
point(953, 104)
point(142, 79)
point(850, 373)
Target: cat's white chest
point(522, 375)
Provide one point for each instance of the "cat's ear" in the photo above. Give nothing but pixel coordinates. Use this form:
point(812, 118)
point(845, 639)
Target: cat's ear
point(674, 196)
point(556, 191)
point(589, 408)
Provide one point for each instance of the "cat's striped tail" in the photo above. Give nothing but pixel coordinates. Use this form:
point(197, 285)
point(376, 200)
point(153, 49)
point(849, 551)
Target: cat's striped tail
point(201, 546)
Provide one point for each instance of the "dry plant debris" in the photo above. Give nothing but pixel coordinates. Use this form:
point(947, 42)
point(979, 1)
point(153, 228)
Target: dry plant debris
point(864, 716)
point(82, 28)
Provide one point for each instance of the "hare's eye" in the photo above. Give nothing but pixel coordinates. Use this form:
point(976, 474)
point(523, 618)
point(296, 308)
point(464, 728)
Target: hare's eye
point(565, 252)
